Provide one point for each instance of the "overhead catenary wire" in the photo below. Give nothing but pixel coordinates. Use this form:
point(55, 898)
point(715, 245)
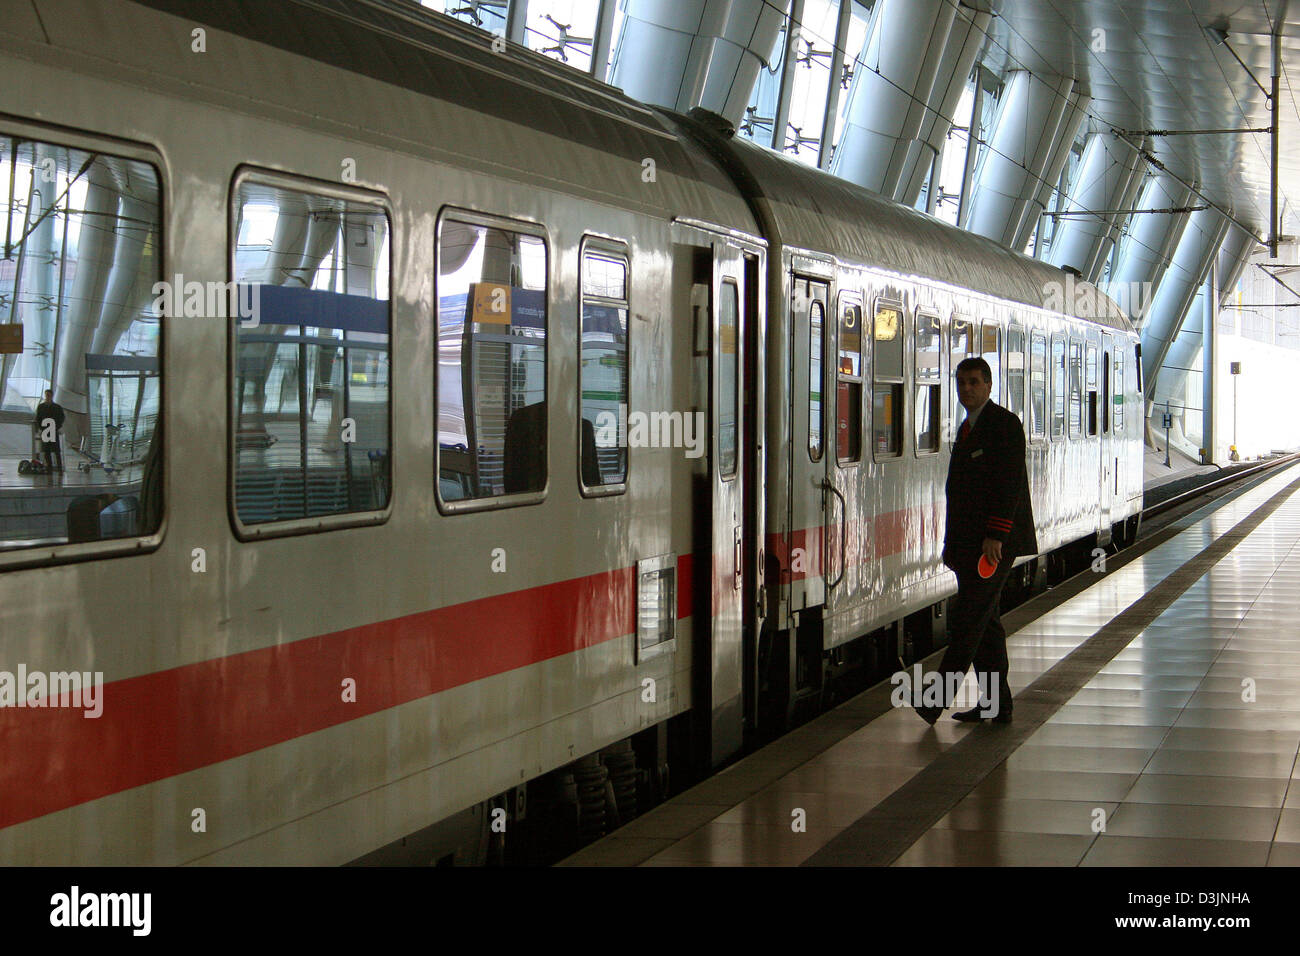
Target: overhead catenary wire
point(973, 140)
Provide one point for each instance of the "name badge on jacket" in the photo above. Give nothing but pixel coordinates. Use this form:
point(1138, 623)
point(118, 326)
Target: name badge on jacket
point(977, 452)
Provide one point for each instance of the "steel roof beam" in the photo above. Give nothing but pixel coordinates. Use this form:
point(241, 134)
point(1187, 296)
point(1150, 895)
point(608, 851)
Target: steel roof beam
point(681, 54)
point(1032, 136)
point(1096, 204)
point(1178, 288)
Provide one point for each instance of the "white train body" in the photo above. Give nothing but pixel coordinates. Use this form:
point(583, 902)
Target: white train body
point(308, 691)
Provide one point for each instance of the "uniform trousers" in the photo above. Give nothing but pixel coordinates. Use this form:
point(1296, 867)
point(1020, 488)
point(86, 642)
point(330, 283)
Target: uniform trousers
point(975, 632)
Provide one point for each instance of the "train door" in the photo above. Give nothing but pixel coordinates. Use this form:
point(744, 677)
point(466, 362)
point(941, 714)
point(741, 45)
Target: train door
point(811, 509)
point(723, 280)
point(1109, 462)
point(753, 417)
point(841, 497)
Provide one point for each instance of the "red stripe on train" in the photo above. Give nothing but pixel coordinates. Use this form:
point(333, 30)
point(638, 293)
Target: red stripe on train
point(170, 722)
point(874, 537)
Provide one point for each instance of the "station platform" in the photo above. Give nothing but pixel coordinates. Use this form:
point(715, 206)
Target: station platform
point(1157, 723)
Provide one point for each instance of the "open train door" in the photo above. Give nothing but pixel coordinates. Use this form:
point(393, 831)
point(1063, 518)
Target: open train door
point(724, 301)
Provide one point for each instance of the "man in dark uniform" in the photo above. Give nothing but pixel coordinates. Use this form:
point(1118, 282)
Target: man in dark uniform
point(50, 413)
point(989, 517)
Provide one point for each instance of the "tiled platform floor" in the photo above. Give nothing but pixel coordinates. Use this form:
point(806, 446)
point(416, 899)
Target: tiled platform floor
point(1178, 746)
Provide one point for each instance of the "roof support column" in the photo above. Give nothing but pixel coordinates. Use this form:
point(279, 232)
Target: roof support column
point(681, 54)
point(1209, 373)
point(1149, 247)
point(890, 92)
point(1032, 135)
point(974, 132)
point(1234, 256)
point(1196, 251)
point(517, 22)
point(1109, 169)
point(781, 117)
point(831, 112)
point(964, 42)
point(603, 41)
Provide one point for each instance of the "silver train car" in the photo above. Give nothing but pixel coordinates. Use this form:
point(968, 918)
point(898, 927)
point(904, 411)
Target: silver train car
point(437, 420)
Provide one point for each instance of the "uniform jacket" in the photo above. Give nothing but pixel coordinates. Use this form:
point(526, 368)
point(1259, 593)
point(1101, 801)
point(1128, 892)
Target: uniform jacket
point(988, 491)
point(44, 412)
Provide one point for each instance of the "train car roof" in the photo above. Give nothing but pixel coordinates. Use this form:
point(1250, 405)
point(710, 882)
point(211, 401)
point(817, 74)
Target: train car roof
point(511, 112)
point(811, 209)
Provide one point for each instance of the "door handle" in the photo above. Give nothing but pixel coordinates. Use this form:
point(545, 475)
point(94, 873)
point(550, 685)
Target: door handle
point(738, 555)
point(828, 485)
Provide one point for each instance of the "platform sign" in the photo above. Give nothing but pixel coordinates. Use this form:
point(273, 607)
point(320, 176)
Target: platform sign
point(1168, 421)
point(491, 303)
point(1234, 368)
point(11, 338)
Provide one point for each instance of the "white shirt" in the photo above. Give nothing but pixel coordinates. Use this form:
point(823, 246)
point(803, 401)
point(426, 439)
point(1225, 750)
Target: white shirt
point(972, 416)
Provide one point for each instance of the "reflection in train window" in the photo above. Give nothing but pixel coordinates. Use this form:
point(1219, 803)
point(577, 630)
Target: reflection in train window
point(929, 382)
point(80, 372)
point(961, 345)
point(816, 316)
point(603, 368)
point(1119, 391)
point(1058, 387)
point(1076, 389)
point(491, 378)
point(848, 392)
point(728, 376)
point(990, 342)
point(1090, 382)
point(1016, 372)
point(887, 387)
point(311, 378)
point(1037, 386)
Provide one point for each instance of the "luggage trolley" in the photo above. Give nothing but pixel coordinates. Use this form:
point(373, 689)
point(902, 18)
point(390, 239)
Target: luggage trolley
point(116, 436)
point(36, 464)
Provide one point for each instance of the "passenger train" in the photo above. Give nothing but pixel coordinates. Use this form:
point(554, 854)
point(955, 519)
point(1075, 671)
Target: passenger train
point(452, 442)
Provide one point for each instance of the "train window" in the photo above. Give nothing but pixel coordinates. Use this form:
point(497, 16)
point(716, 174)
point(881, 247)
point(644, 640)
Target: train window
point(1119, 391)
point(929, 382)
point(81, 372)
point(1016, 371)
point(887, 386)
point(1076, 389)
point(491, 376)
point(816, 319)
point(1090, 382)
point(1058, 387)
point(311, 397)
point(1037, 386)
point(728, 376)
point(991, 352)
point(848, 392)
point(961, 344)
point(603, 386)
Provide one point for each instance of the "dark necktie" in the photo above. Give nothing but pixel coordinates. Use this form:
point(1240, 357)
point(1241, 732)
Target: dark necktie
point(964, 430)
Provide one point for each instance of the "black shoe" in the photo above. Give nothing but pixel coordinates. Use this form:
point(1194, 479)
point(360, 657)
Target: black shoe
point(976, 715)
point(928, 714)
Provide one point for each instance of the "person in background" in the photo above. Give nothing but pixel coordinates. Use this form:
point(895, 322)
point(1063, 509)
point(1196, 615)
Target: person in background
point(50, 412)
